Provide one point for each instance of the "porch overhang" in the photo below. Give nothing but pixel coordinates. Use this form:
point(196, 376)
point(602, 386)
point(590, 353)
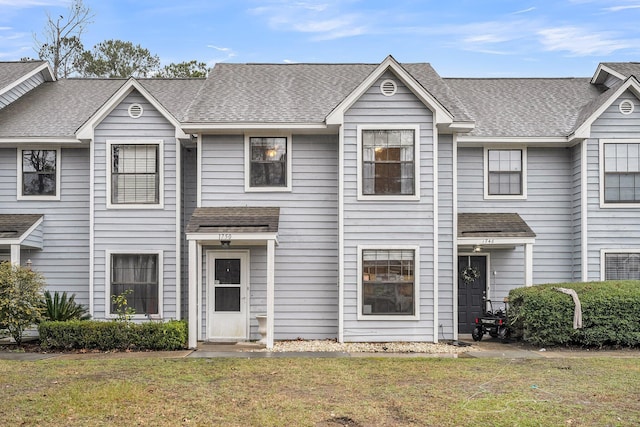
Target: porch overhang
point(479, 231)
point(231, 227)
point(19, 231)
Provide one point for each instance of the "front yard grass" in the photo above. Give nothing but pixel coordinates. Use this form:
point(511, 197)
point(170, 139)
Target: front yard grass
point(321, 392)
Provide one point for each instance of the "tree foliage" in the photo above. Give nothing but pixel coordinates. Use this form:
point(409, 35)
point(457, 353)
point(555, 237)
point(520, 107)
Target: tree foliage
point(61, 43)
point(118, 59)
point(20, 299)
point(186, 69)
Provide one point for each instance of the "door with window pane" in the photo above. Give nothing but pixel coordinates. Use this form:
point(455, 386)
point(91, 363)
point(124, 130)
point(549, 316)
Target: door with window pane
point(227, 287)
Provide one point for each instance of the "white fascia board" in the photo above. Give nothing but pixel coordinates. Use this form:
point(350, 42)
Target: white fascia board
point(530, 141)
point(584, 131)
point(441, 115)
point(30, 230)
point(491, 241)
point(86, 130)
point(32, 140)
point(233, 237)
point(194, 128)
point(457, 127)
point(599, 76)
point(44, 68)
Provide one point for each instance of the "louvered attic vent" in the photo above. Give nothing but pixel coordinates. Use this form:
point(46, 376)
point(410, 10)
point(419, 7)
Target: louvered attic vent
point(626, 107)
point(135, 111)
point(388, 88)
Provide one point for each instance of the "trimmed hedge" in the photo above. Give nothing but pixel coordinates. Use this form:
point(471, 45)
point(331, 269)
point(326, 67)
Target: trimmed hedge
point(610, 314)
point(113, 335)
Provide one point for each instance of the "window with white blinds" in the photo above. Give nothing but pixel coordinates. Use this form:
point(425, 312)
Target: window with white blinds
point(135, 177)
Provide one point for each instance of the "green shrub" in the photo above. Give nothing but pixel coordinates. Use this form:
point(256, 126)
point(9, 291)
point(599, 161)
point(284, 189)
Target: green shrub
point(610, 314)
point(20, 299)
point(60, 307)
point(113, 335)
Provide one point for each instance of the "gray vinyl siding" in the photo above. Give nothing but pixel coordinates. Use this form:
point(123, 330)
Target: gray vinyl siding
point(189, 203)
point(306, 259)
point(64, 259)
point(610, 227)
point(547, 210)
point(389, 223)
point(19, 90)
point(446, 240)
point(132, 230)
point(576, 216)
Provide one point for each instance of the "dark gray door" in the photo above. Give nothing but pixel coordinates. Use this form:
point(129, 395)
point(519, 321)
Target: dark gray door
point(470, 293)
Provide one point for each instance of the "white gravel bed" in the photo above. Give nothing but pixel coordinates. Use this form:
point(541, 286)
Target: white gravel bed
point(366, 347)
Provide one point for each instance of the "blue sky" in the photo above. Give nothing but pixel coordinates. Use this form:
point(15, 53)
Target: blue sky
point(468, 38)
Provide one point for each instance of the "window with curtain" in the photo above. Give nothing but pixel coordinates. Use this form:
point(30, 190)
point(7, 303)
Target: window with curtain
point(505, 172)
point(388, 286)
point(135, 177)
point(622, 266)
point(268, 161)
point(139, 274)
point(39, 168)
point(388, 166)
point(622, 173)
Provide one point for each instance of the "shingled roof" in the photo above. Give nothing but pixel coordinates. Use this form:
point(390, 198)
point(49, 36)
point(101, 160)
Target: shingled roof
point(493, 225)
point(13, 226)
point(532, 107)
point(10, 72)
point(295, 93)
point(58, 109)
point(234, 220)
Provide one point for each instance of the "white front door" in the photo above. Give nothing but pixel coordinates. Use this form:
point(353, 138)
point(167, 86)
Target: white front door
point(227, 290)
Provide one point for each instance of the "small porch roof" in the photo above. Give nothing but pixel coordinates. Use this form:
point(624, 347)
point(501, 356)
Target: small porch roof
point(234, 223)
point(493, 229)
point(21, 229)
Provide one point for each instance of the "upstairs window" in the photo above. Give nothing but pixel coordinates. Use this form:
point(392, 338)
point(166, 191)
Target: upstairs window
point(38, 174)
point(505, 173)
point(268, 163)
point(135, 174)
point(622, 173)
point(388, 162)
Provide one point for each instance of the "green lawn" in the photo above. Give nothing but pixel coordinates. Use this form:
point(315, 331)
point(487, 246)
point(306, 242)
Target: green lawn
point(321, 392)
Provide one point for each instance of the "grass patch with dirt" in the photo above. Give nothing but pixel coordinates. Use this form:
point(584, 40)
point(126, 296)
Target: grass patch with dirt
point(321, 392)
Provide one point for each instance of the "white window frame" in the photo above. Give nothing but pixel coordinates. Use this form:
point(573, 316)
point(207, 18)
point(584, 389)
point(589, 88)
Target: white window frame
point(19, 194)
point(247, 163)
point(485, 168)
point(603, 203)
point(107, 292)
point(108, 154)
point(604, 252)
point(416, 283)
point(416, 159)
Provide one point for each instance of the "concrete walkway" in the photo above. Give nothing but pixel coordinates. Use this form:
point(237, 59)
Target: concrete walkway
point(485, 349)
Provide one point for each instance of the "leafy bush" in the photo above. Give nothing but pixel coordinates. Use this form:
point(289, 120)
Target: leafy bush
point(610, 314)
point(20, 299)
point(60, 307)
point(113, 335)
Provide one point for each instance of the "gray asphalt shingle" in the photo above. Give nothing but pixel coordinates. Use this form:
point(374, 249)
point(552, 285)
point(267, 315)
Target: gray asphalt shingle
point(531, 107)
point(13, 71)
point(234, 220)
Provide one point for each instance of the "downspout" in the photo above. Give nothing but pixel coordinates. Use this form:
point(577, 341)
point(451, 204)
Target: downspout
point(341, 234)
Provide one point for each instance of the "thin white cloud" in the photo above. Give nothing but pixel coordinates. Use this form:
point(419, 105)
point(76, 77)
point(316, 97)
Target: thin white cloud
point(221, 49)
point(289, 61)
point(519, 12)
point(324, 21)
point(24, 4)
point(582, 42)
point(621, 8)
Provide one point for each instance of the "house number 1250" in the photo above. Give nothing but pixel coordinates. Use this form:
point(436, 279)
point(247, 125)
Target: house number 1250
point(224, 236)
